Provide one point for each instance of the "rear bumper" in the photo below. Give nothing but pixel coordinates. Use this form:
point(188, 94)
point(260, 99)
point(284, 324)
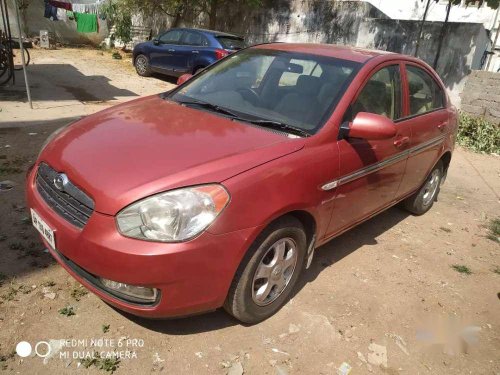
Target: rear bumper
point(192, 277)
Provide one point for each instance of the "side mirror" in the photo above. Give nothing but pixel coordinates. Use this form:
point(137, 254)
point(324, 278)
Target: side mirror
point(183, 78)
point(371, 126)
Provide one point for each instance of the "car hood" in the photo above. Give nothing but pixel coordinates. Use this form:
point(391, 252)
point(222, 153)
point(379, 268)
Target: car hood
point(150, 145)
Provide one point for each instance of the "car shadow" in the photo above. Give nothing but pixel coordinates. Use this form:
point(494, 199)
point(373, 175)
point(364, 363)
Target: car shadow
point(325, 256)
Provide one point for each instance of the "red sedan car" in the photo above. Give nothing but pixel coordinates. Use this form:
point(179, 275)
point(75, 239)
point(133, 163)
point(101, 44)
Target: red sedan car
point(217, 192)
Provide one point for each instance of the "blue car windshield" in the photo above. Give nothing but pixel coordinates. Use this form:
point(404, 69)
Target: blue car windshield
point(299, 90)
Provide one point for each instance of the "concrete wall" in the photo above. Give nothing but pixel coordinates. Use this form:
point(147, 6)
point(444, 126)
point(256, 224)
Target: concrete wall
point(64, 32)
point(481, 95)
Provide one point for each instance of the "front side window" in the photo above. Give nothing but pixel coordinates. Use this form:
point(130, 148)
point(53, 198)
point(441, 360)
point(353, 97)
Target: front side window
point(295, 89)
point(425, 93)
point(381, 94)
point(171, 37)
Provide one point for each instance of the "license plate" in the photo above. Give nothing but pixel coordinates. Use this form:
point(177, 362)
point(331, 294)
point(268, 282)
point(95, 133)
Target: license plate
point(43, 228)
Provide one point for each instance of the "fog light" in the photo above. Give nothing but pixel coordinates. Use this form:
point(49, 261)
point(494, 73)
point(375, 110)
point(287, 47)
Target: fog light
point(135, 292)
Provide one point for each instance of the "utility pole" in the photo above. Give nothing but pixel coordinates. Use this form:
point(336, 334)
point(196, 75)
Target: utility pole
point(490, 57)
point(441, 36)
point(422, 27)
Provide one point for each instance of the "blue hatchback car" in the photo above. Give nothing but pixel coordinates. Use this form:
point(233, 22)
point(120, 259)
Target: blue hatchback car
point(179, 51)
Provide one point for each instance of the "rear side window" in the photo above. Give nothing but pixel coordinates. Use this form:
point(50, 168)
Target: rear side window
point(171, 37)
point(233, 43)
point(194, 39)
point(381, 94)
point(425, 93)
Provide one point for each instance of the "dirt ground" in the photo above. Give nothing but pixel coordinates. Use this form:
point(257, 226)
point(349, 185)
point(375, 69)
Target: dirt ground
point(383, 297)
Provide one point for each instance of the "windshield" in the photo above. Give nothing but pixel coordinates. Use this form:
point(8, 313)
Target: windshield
point(228, 42)
point(289, 89)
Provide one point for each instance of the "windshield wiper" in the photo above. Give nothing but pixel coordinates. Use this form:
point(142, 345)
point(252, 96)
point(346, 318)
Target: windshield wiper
point(278, 125)
point(210, 106)
point(261, 122)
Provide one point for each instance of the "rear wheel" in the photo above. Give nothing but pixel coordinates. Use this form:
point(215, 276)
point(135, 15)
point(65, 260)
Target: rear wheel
point(142, 66)
point(422, 201)
point(267, 275)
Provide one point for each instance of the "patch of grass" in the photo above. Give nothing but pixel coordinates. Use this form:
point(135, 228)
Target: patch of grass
point(105, 328)
point(48, 283)
point(24, 289)
point(67, 311)
point(462, 269)
point(478, 134)
point(10, 295)
point(444, 229)
point(108, 364)
point(494, 230)
point(78, 292)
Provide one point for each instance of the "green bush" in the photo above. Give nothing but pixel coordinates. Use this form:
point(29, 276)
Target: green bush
point(478, 134)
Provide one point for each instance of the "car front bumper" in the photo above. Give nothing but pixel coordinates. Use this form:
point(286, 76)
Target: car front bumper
point(191, 277)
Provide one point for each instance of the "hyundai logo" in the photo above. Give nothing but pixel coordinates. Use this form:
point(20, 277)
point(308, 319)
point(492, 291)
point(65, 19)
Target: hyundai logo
point(60, 181)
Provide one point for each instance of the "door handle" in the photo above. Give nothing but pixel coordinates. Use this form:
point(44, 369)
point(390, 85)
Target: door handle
point(171, 50)
point(195, 51)
point(400, 142)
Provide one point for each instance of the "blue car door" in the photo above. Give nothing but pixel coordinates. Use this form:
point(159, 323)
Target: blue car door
point(164, 51)
point(194, 44)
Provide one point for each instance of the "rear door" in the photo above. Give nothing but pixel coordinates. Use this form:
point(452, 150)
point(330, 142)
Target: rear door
point(428, 118)
point(372, 170)
point(194, 45)
point(164, 54)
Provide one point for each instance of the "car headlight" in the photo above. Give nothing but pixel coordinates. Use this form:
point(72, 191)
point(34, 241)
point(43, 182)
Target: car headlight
point(173, 216)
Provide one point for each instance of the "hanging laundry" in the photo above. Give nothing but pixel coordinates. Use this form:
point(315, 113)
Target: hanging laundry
point(60, 4)
point(70, 15)
point(61, 14)
point(86, 23)
point(86, 8)
point(50, 11)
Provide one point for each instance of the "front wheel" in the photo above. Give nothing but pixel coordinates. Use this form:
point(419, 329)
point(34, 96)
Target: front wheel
point(268, 273)
point(142, 66)
point(422, 201)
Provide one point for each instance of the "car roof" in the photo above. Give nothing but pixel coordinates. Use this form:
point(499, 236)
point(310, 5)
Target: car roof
point(356, 54)
point(212, 32)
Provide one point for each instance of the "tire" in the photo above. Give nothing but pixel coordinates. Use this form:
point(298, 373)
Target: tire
point(422, 201)
point(142, 67)
point(252, 299)
point(27, 59)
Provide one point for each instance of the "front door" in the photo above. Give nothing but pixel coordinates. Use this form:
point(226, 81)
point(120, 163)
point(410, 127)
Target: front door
point(371, 170)
point(164, 54)
point(428, 118)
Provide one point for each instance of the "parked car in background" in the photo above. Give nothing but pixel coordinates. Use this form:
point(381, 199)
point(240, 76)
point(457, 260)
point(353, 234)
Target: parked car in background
point(218, 192)
point(179, 51)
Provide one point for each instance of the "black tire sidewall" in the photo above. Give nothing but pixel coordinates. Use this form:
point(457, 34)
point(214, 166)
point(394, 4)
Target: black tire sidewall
point(147, 72)
point(242, 305)
point(417, 205)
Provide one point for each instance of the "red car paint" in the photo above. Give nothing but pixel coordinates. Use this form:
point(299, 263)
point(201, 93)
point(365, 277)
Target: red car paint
point(131, 151)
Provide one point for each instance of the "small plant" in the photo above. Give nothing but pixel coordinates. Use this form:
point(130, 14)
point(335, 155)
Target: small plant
point(67, 311)
point(87, 362)
point(24, 289)
point(10, 295)
point(109, 364)
point(48, 283)
point(478, 134)
point(494, 230)
point(444, 229)
point(105, 328)
point(78, 292)
point(462, 269)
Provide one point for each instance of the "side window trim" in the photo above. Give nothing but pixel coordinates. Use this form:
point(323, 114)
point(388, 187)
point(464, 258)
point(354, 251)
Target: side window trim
point(407, 91)
point(375, 70)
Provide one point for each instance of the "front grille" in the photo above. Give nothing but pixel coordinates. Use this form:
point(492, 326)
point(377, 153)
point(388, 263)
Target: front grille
point(68, 201)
